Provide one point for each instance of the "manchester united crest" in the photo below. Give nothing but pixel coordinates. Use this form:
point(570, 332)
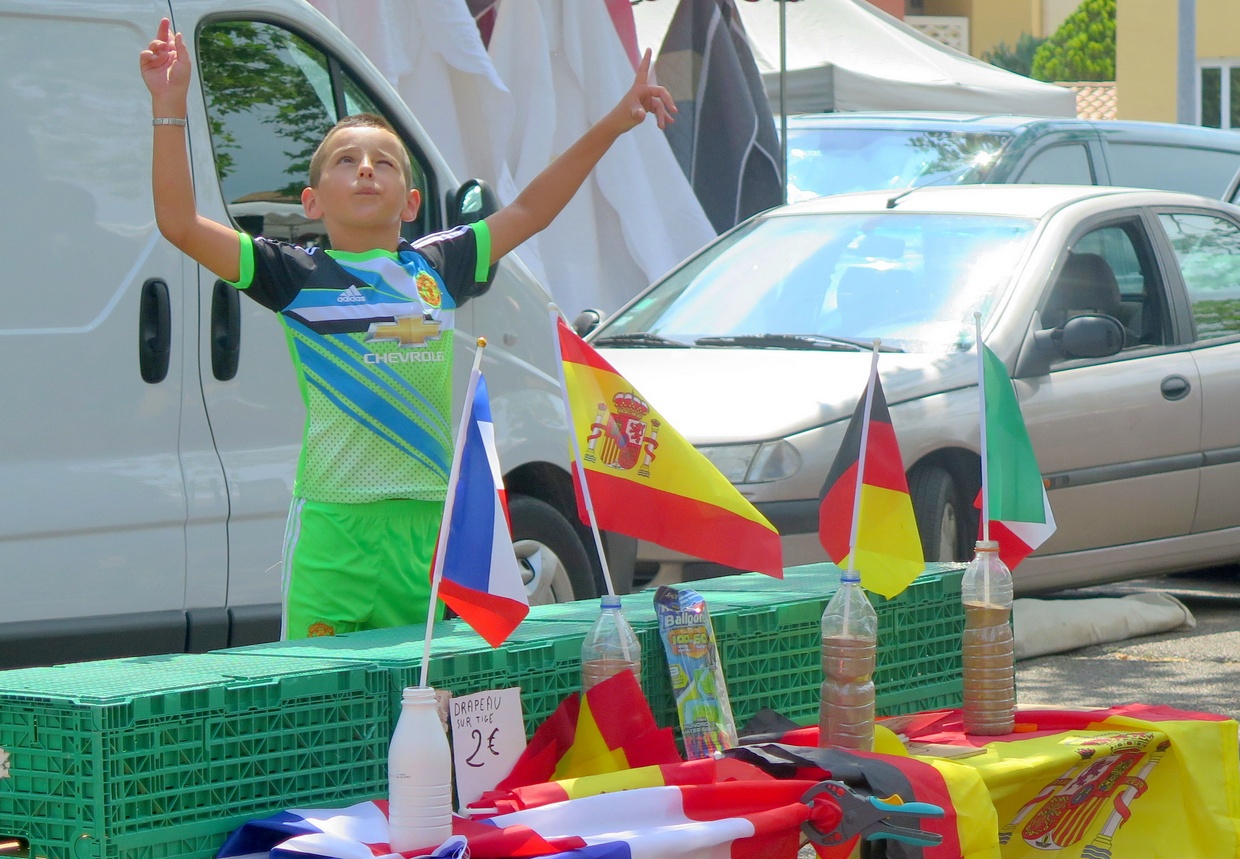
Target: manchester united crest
point(621, 437)
point(428, 290)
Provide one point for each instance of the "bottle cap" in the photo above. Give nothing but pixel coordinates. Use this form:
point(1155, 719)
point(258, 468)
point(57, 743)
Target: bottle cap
point(610, 601)
point(986, 546)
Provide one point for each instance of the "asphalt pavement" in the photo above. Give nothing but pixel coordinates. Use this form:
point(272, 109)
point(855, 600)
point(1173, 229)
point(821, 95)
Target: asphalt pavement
point(1190, 669)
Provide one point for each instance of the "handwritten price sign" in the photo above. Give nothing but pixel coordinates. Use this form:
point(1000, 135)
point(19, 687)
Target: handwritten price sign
point(488, 735)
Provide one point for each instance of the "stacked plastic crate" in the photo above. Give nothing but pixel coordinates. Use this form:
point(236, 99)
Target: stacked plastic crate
point(162, 757)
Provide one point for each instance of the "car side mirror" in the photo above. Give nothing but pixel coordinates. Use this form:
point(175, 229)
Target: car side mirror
point(586, 321)
point(1090, 335)
point(470, 203)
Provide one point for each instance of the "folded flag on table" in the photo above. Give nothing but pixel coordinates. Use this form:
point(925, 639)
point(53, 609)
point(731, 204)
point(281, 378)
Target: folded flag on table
point(738, 819)
point(645, 480)
point(608, 729)
point(1125, 781)
point(888, 549)
point(1019, 511)
point(481, 577)
point(700, 771)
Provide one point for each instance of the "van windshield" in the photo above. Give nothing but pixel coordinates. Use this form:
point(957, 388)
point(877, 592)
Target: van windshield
point(838, 160)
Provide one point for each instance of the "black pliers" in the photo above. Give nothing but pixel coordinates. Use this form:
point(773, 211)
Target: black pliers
point(869, 817)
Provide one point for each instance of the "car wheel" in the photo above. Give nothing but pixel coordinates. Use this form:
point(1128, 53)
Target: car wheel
point(554, 564)
point(936, 506)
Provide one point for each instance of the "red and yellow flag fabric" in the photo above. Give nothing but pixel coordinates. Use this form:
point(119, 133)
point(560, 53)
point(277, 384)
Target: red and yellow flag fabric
point(1135, 780)
point(888, 549)
point(647, 481)
point(608, 729)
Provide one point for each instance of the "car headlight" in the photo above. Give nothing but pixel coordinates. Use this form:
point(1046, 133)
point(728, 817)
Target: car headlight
point(754, 463)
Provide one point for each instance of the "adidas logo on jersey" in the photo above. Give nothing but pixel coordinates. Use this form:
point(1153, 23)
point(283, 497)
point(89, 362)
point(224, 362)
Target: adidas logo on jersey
point(350, 294)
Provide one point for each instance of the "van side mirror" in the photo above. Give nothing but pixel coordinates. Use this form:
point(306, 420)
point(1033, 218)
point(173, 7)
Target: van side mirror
point(470, 203)
point(1090, 335)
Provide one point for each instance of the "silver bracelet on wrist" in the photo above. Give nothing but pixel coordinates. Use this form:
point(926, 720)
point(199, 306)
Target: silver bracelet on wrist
point(170, 120)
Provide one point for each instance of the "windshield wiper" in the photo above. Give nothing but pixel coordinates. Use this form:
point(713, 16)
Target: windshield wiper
point(797, 341)
point(639, 338)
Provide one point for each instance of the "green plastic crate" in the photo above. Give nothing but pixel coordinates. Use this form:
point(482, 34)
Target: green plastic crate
point(161, 757)
point(770, 646)
point(543, 659)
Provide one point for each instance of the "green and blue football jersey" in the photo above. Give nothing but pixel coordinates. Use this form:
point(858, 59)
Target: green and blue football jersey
point(371, 339)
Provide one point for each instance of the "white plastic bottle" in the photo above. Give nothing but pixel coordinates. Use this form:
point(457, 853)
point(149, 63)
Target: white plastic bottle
point(849, 646)
point(419, 775)
point(988, 647)
point(610, 646)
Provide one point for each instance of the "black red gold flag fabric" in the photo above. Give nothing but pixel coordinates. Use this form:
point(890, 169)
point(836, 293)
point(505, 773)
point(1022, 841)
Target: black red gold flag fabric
point(888, 550)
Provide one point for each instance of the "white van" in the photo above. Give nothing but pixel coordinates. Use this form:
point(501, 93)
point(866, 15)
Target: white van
point(150, 420)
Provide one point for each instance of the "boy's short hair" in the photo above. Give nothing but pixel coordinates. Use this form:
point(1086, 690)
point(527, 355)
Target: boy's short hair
point(359, 120)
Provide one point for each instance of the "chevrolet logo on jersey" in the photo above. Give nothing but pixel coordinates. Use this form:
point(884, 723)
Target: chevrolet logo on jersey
point(408, 331)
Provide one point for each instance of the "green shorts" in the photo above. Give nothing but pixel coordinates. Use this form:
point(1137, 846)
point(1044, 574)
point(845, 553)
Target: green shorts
point(357, 566)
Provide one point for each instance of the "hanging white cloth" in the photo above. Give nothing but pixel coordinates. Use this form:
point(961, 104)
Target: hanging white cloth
point(636, 216)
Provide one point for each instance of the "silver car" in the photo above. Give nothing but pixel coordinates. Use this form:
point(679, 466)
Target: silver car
point(1116, 311)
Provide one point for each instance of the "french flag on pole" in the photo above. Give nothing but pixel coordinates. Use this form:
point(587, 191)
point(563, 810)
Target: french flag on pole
point(481, 580)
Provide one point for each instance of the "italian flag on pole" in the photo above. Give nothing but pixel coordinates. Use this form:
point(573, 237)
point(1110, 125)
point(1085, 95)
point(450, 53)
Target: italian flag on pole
point(1017, 508)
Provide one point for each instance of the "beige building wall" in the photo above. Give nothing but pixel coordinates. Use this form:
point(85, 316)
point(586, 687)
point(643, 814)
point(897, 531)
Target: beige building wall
point(1145, 57)
point(1053, 14)
point(992, 21)
point(1145, 62)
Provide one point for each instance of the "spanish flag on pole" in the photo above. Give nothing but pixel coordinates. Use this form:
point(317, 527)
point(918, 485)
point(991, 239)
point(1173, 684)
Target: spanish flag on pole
point(884, 542)
point(645, 480)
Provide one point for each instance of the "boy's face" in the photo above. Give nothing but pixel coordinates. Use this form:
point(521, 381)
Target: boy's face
point(361, 186)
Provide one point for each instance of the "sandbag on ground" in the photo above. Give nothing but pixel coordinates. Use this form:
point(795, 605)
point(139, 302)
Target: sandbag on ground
point(1053, 626)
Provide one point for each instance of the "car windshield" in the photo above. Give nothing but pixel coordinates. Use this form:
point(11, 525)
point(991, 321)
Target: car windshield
point(838, 160)
point(805, 280)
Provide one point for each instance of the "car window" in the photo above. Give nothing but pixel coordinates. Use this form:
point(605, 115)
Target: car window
point(1207, 248)
point(1172, 168)
point(838, 160)
point(1068, 164)
point(271, 96)
point(1111, 270)
point(912, 279)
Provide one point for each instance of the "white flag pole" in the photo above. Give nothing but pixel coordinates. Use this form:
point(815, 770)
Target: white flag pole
point(981, 405)
point(554, 313)
point(852, 574)
point(865, 440)
point(454, 477)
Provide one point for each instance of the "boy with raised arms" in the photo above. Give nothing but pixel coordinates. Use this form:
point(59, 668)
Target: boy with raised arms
point(369, 325)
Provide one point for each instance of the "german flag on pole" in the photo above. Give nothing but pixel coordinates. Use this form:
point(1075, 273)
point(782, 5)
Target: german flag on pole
point(888, 549)
point(646, 481)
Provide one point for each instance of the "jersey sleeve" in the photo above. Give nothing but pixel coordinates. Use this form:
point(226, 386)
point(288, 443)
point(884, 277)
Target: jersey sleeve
point(462, 257)
point(272, 273)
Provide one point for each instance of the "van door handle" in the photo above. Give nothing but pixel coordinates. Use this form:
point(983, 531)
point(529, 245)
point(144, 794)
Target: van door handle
point(225, 331)
point(154, 331)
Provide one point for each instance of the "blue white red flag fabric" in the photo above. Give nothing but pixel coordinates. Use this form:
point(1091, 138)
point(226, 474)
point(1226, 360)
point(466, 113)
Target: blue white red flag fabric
point(733, 819)
point(481, 578)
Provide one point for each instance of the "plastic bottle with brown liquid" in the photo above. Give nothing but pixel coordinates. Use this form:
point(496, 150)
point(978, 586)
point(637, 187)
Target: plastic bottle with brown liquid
point(988, 647)
point(849, 645)
point(610, 646)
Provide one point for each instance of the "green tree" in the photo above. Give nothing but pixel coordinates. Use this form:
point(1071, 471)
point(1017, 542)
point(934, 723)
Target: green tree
point(1018, 59)
point(1083, 48)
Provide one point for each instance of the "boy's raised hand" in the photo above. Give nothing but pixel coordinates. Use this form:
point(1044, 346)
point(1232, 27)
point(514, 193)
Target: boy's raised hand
point(644, 97)
point(165, 63)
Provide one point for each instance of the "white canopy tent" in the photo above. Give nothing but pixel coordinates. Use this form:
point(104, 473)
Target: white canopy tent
point(847, 55)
